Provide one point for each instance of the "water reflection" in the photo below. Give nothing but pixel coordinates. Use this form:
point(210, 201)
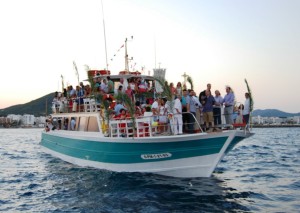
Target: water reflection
point(260, 174)
point(139, 192)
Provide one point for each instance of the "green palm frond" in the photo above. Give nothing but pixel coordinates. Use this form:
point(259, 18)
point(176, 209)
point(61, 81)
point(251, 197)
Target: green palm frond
point(250, 96)
point(190, 81)
point(104, 104)
point(166, 89)
point(166, 92)
point(76, 71)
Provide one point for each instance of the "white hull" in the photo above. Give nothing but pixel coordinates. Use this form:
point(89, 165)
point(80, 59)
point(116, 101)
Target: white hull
point(201, 166)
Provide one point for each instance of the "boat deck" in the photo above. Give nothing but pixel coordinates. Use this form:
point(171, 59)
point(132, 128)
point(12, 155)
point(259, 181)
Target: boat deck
point(145, 126)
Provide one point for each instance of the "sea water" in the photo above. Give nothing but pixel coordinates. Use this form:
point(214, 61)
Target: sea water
point(261, 174)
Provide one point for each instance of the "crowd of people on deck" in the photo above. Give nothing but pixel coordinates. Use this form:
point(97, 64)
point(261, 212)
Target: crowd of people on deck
point(180, 112)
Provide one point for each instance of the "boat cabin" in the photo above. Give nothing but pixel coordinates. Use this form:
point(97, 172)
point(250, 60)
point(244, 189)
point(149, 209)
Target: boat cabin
point(92, 122)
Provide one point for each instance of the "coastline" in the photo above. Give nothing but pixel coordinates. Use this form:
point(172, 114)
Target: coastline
point(253, 126)
point(276, 126)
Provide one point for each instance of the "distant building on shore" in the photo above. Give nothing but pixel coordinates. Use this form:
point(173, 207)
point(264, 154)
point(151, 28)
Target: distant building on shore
point(25, 120)
point(28, 120)
point(275, 120)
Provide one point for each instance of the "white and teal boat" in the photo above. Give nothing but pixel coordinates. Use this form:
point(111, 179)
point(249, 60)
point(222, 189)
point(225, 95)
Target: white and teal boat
point(133, 145)
point(187, 155)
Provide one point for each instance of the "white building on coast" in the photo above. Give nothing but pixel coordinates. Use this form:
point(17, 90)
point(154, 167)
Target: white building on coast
point(25, 120)
point(28, 120)
point(275, 120)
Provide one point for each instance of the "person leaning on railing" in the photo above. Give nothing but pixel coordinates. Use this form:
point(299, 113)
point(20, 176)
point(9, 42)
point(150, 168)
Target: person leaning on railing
point(193, 109)
point(87, 91)
point(208, 111)
point(228, 102)
point(185, 101)
point(217, 108)
point(162, 119)
point(246, 110)
point(177, 117)
point(138, 110)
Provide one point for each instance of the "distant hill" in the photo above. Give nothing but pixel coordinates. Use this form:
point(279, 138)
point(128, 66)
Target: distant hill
point(273, 113)
point(36, 107)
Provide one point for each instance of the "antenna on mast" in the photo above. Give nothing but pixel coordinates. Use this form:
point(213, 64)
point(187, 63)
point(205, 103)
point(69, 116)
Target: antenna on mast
point(104, 36)
point(126, 55)
point(154, 52)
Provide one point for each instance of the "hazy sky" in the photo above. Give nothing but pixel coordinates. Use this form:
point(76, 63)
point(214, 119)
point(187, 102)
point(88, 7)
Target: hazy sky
point(221, 42)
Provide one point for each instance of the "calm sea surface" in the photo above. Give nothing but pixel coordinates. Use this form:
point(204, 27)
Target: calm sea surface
point(262, 174)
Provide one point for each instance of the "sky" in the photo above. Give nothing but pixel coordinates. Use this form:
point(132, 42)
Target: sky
point(221, 42)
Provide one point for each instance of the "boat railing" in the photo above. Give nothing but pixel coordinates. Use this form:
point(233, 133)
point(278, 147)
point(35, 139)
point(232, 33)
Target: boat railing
point(148, 126)
point(194, 119)
point(236, 116)
point(144, 127)
point(86, 104)
point(90, 104)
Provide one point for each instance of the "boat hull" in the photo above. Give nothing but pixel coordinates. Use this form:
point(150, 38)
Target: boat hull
point(194, 155)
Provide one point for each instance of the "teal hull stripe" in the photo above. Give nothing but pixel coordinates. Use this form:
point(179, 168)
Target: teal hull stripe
point(124, 153)
point(234, 142)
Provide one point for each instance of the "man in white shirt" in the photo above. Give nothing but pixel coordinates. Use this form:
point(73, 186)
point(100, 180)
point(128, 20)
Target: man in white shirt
point(124, 83)
point(177, 116)
point(104, 86)
point(154, 107)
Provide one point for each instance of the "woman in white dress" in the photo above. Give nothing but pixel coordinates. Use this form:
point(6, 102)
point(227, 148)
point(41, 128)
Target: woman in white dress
point(162, 116)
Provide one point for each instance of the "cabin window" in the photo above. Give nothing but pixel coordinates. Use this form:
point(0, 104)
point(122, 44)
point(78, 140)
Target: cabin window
point(66, 123)
point(73, 124)
point(59, 123)
point(55, 123)
point(82, 124)
point(93, 125)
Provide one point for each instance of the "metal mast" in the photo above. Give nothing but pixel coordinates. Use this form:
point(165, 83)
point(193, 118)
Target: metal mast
point(104, 36)
point(126, 57)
